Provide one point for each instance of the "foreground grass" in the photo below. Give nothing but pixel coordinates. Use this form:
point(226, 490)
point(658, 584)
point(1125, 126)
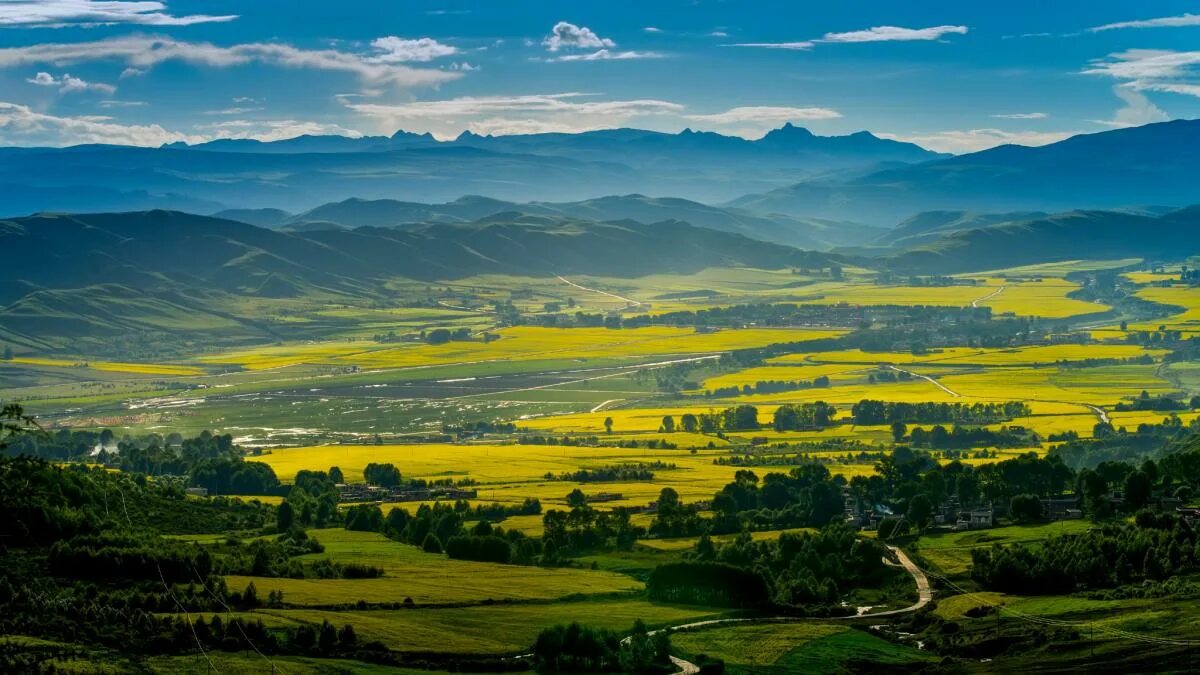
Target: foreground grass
point(492, 629)
point(429, 579)
point(950, 552)
point(800, 647)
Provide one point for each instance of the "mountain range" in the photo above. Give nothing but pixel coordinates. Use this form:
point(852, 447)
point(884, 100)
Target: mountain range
point(1148, 165)
point(859, 178)
point(806, 233)
point(304, 172)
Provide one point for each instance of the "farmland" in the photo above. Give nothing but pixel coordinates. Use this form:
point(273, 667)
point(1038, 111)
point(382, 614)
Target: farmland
point(551, 414)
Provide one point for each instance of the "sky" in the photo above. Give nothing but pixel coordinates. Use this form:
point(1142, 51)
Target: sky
point(951, 76)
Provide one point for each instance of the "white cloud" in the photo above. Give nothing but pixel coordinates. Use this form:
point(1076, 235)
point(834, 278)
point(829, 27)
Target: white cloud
point(110, 103)
point(565, 112)
point(69, 83)
point(973, 140)
point(875, 34)
point(607, 55)
point(20, 125)
point(570, 36)
point(1138, 109)
point(1142, 70)
point(766, 114)
point(274, 130)
point(652, 29)
point(1022, 116)
point(793, 46)
point(893, 34)
point(1170, 87)
point(399, 50)
point(236, 110)
point(57, 13)
point(141, 52)
point(464, 66)
point(718, 33)
point(1161, 22)
point(1146, 64)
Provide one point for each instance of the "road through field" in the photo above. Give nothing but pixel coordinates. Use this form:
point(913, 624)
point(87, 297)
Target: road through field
point(924, 597)
point(1104, 418)
point(593, 290)
point(929, 379)
point(989, 296)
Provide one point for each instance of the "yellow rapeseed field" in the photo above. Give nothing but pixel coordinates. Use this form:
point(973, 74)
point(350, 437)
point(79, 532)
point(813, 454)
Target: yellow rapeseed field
point(109, 366)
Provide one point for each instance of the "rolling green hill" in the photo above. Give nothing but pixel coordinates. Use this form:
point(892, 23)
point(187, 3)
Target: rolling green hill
point(1075, 235)
point(121, 274)
point(808, 233)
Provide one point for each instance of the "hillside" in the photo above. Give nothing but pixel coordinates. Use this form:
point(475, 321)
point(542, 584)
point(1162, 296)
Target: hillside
point(1074, 235)
point(1152, 164)
point(108, 274)
point(807, 233)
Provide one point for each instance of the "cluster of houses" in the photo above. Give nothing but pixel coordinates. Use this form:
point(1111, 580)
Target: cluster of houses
point(361, 492)
point(951, 514)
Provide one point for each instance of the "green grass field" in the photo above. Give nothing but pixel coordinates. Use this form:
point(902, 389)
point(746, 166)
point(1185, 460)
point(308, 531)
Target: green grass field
point(800, 647)
point(429, 579)
point(950, 552)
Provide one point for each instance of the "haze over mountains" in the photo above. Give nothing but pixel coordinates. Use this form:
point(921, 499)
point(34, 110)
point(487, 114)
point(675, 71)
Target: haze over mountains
point(806, 233)
point(306, 171)
point(858, 178)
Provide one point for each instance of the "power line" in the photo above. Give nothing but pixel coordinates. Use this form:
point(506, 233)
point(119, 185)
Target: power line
point(1046, 621)
point(187, 616)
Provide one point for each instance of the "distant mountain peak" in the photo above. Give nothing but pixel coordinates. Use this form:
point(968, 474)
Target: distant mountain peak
point(788, 132)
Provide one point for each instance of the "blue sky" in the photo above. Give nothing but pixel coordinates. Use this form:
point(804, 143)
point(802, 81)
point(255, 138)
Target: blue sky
point(953, 76)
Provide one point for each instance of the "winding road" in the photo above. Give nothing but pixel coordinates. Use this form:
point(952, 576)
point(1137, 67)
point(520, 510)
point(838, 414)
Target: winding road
point(924, 597)
point(989, 296)
point(929, 379)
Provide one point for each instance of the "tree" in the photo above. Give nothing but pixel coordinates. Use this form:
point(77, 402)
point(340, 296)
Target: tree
point(438, 336)
point(899, 430)
point(1137, 489)
point(690, 423)
point(892, 527)
point(8, 353)
point(335, 475)
point(431, 544)
point(668, 423)
point(608, 424)
point(1025, 508)
point(576, 499)
point(920, 509)
point(741, 417)
point(285, 516)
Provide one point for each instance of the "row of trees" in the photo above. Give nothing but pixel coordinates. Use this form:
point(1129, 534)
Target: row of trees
point(870, 412)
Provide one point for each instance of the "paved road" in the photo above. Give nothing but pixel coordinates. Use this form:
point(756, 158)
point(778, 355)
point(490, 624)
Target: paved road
point(593, 290)
point(1100, 412)
point(989, 296)
point(924, 597)
point(932, 381)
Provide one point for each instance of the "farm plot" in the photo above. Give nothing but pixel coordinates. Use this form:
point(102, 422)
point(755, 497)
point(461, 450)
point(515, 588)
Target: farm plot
point(429, 579)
